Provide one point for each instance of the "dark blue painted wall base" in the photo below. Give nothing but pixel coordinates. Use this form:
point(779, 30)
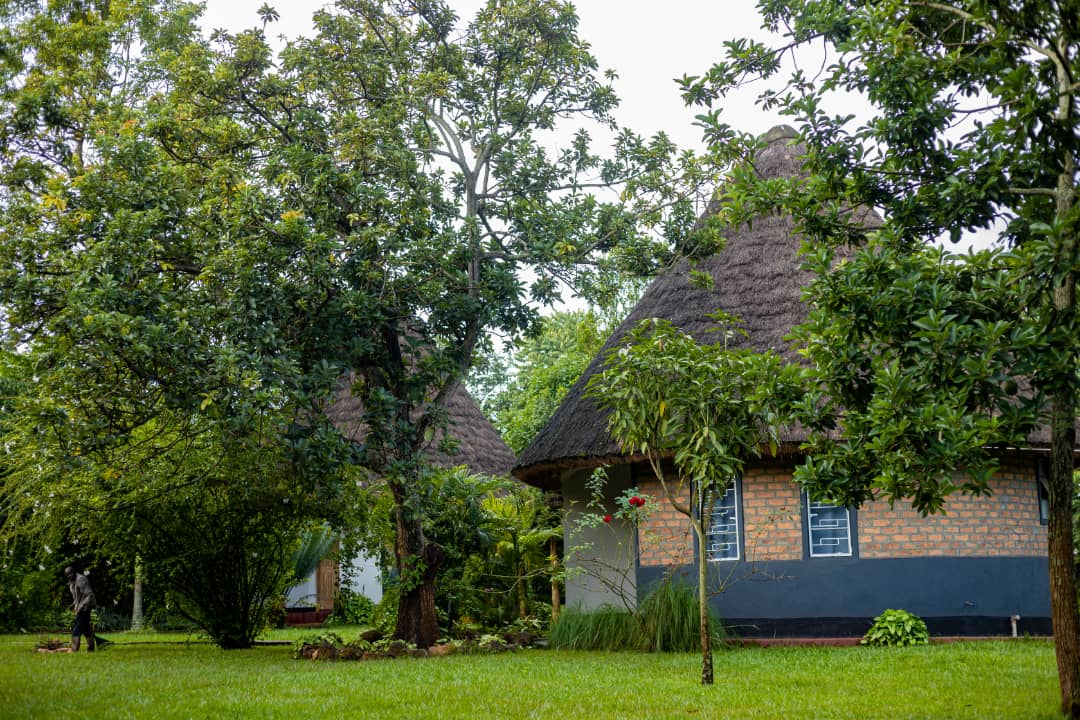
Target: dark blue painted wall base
point(837, 597)
point(963, 626)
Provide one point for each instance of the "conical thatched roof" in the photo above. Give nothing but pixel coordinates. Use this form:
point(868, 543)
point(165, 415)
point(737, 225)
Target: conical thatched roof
point(478, 445)
point(757, 277)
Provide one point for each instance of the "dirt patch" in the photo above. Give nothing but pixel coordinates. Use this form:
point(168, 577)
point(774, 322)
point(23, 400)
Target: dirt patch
point(53, 645)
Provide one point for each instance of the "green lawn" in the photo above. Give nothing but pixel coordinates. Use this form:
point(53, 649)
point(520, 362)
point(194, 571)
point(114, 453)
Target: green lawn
point(1006, 679)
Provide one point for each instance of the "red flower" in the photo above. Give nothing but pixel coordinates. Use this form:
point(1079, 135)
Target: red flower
point(607, 518)
point(637, 501)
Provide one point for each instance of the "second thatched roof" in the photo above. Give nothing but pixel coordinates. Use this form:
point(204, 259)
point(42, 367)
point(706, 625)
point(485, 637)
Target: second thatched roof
point(476, 443)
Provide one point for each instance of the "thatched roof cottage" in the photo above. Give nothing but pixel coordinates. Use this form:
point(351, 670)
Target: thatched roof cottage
point(792, 566)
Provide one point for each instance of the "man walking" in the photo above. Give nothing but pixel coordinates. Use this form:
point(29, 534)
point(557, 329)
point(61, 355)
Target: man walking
point(84, 602)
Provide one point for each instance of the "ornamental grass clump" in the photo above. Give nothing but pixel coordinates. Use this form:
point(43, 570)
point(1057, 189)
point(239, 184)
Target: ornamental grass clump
point(605, 628)
point(666, 620)
point(670, 620)
point(897, 628)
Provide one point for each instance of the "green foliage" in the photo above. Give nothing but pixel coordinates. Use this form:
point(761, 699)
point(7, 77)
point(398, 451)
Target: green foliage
point(384, 616)
point(327, 639)
point(202, 239)
point(107, 619)
point(494, 535)
point(522, 387)
point(32, 594)
point(224, 552)
point(897, 628)
point(352, 608)
point(523, 526)
point(910, 329)
point(542, 368)
point(707, 406)
point(457, 521)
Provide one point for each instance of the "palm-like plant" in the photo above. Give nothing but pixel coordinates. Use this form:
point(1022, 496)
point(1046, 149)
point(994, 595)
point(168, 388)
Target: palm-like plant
point(524, 528)
point(315, 544)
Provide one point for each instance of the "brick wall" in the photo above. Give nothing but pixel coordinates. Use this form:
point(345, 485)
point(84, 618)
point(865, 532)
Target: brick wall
point(772, 529)
point(665, 539)
point(1003, 524)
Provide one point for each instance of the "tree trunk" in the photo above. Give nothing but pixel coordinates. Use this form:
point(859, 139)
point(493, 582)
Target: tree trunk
point(556, 598)
point(703, 606)
point(418, 563)
point(1061, 548)
point(137, 597)
point(523, 592)
point(1066, 617)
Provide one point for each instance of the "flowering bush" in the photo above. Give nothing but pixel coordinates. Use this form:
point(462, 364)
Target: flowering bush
point(634, 506)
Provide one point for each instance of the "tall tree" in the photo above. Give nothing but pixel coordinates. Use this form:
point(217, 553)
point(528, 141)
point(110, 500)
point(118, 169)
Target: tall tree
point(155, 316)
point(202, 239)
point(703, 409)
point(471, 113)
point(974, 125)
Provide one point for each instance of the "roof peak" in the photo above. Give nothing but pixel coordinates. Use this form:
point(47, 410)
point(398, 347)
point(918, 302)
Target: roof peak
point(778, 133)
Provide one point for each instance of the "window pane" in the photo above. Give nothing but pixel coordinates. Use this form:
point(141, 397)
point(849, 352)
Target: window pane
point(1044, 500)
point(830, 530)
point(723, 535)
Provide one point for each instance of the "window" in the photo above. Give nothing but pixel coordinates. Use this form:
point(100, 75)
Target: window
point(828, 529)
point(723, 534)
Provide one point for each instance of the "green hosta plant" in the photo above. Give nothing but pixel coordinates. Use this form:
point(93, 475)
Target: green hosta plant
point(897, 627)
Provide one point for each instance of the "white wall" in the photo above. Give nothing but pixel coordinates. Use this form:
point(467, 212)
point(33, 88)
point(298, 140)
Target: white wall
point(602, 560)
point(363, 578)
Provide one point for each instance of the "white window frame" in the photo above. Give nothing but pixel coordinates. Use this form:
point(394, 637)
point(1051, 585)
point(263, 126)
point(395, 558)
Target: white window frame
point(811, 506)
point(733, 490)
point(1042, 493)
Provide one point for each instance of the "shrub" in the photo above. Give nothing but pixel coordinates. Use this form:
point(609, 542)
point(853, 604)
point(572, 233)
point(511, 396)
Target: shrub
point(669, 616)
point(384, 615)
point(352, 608)
point(32, 591)
point(897, 628)
point(108, 619)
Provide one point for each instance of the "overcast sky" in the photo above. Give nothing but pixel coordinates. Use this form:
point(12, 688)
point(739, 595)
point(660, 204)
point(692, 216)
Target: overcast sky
point(647, 42)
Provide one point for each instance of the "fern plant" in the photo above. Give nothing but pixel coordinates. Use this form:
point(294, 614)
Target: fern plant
point(897, 628)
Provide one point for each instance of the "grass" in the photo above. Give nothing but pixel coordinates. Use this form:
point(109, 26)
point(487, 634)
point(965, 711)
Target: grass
point(141, 677)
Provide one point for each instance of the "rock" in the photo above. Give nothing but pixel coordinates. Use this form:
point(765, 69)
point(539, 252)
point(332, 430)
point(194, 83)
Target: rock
point(371, 635)
point(397, 648)
point(351, 652)
point(442, 650)
point(523, 638)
